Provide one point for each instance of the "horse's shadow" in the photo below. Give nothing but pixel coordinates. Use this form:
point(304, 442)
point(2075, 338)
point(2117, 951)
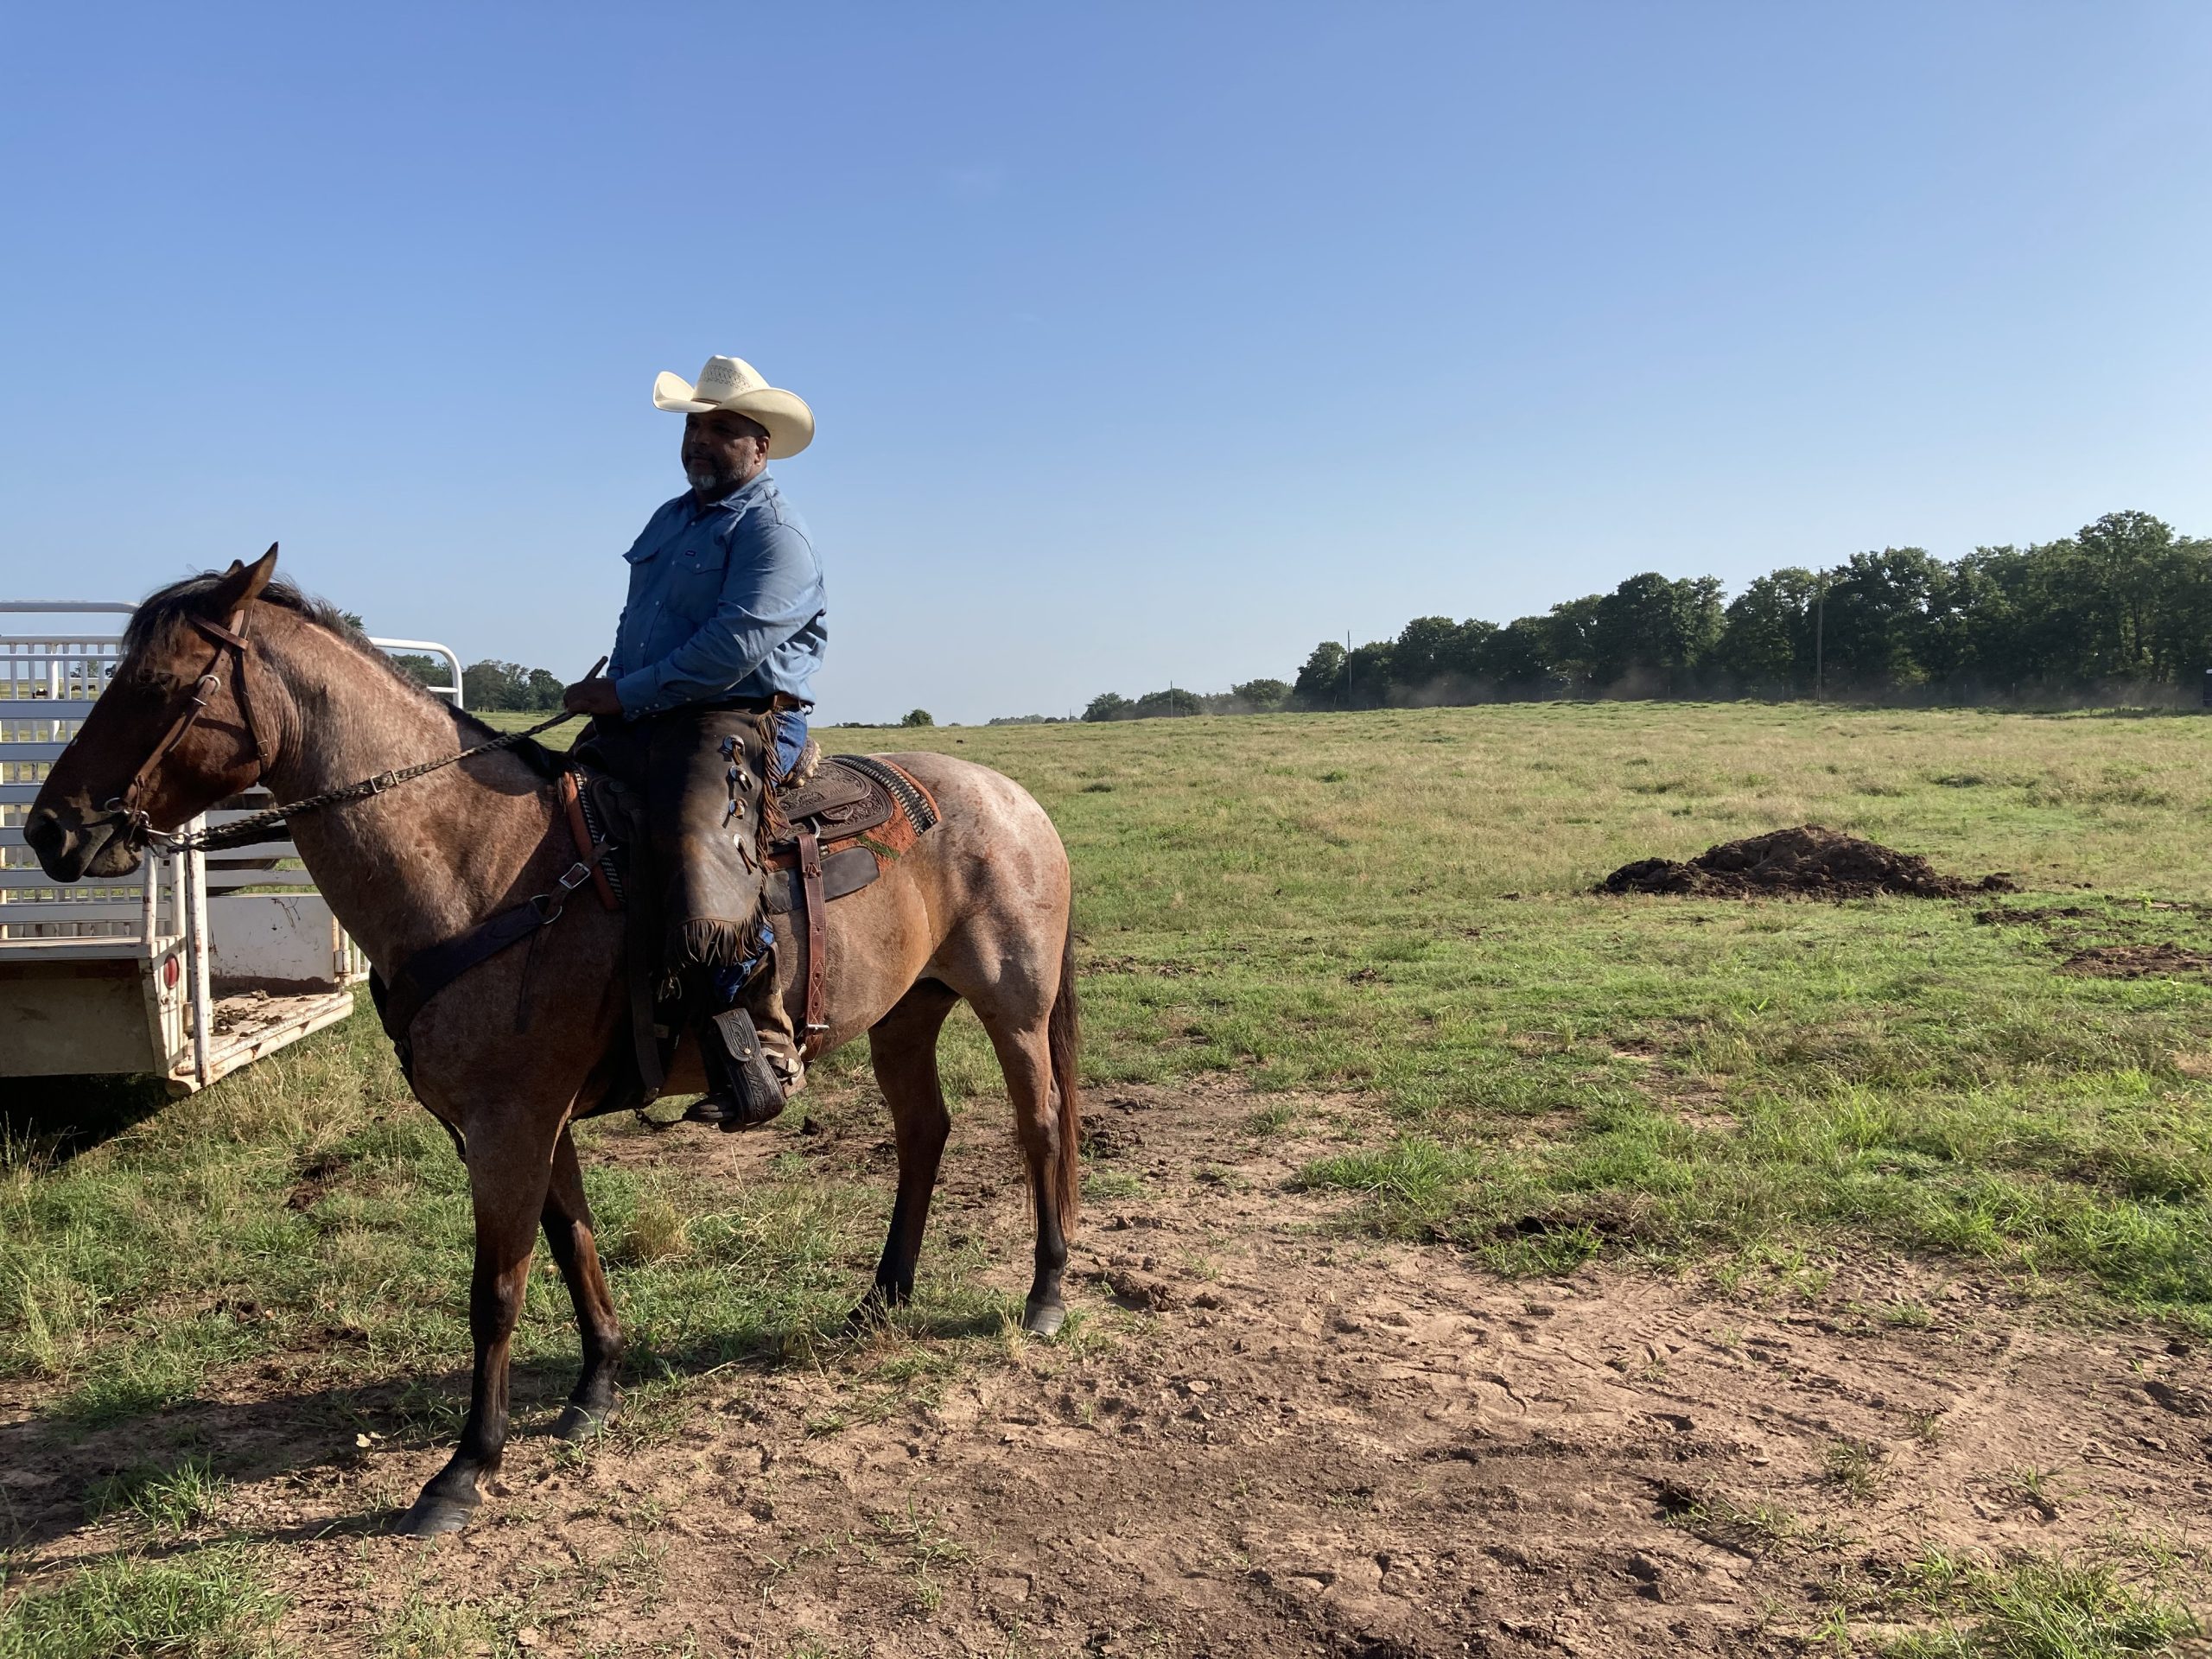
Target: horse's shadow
point(57, 1464)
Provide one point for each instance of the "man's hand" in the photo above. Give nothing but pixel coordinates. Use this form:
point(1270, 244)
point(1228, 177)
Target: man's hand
point(592, 697)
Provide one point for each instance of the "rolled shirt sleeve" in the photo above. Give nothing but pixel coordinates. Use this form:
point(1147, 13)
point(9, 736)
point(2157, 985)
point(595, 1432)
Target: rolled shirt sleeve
point(771, 590)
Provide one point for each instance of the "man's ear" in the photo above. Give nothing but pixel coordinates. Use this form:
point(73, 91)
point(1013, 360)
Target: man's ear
point(241, 585)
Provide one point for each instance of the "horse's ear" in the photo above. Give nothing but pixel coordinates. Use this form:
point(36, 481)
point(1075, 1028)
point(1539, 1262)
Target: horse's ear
point(242, 584)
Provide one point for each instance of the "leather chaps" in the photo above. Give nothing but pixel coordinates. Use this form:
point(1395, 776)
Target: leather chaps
point(705, 772)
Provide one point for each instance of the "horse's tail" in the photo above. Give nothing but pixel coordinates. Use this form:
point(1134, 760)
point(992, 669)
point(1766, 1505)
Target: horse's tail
point(1064, 1037)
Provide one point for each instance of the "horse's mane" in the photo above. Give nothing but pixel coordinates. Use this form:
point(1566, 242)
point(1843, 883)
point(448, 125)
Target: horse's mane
point(154, 627)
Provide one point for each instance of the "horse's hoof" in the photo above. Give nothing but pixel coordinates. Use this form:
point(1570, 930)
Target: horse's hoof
point(873, 1313)
point(433, 1515)
point(1044, 1318)
point(578, 1422)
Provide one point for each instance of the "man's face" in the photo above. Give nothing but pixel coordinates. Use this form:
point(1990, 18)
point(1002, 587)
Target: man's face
point(722, 452)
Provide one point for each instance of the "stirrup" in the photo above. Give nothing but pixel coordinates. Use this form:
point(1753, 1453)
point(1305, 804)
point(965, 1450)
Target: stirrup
point(747, 1089)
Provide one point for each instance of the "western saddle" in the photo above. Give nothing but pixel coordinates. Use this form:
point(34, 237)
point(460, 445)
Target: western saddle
point(842, 817)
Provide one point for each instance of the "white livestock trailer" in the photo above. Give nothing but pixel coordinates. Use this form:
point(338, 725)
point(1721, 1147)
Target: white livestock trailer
point(186, 969)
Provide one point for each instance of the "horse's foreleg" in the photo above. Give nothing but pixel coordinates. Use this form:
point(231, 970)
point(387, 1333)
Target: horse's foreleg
point(509, 1170)
point(902, 1045)
point(568, 1234)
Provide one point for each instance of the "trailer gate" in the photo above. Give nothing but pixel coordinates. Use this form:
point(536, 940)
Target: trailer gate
point(189, 968)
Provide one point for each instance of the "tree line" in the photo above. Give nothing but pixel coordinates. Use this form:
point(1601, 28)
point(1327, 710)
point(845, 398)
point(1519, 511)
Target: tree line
point(490, 687)
point(2120, 611)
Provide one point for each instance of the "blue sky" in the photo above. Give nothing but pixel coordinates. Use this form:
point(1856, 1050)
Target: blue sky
point(1149, 343)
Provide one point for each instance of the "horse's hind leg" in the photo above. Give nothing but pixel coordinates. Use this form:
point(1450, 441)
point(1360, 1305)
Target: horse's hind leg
point(509, 1172)
point(903, 1047)
point(568, 1234)
point(1025, 1055)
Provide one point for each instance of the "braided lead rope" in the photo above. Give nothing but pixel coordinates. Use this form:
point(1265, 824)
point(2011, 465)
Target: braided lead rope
point(267, 825)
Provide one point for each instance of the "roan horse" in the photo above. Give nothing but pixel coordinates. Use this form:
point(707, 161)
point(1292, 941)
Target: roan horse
point(296, 699)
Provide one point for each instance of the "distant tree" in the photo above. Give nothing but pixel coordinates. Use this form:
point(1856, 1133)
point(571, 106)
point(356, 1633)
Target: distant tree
point(1942, 635)
point(492, 687)
point(1262, 696)
point(1877, 617)
point(2136, 593)
point(1517, 658)
point(1107, 705)
point(1425, 650)
point(1766, 634)
point(1469, 650)
point(353, 619)
point(1570, 648)
point(1368, 677)
point(1320, 682)
point(1654, 630)
point(1172, 702)
point(495, 687)
point(919, 717)
point(2014, 634)
point(423, 670)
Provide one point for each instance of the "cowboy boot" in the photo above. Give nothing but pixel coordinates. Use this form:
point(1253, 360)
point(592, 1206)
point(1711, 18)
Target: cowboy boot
point(753, 1053)
point(769, 999)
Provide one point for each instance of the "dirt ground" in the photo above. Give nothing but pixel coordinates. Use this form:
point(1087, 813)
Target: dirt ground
point(1275, 1437)
point(1807, 862)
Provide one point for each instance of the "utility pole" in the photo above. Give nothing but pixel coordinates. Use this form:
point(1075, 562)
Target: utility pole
point(1820, 645)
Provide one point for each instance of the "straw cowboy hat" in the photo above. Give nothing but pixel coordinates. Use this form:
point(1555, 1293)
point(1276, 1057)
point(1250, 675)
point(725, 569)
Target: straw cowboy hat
point(732, 383)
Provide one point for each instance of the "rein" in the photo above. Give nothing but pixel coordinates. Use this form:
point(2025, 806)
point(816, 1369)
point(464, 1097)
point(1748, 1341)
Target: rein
point(267, 825)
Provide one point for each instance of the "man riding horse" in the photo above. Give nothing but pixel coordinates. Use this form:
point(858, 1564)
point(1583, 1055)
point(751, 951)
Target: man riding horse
point(704, 704)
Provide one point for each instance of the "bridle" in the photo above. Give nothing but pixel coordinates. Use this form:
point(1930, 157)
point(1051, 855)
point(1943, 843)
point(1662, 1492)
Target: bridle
point(267, 825)
point(228, 640)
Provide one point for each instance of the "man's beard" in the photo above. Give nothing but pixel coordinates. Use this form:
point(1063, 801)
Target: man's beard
point(707, 480)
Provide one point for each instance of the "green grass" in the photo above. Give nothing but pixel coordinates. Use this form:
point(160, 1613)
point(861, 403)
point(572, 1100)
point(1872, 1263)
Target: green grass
point(1563, 1075)
point(2031, 1607)
point(167, 1501)
point(1397, 904)
point(205, 1605)
point(1393, 905)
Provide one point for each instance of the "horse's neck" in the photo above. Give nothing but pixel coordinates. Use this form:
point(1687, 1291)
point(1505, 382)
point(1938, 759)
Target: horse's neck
point(424, 860)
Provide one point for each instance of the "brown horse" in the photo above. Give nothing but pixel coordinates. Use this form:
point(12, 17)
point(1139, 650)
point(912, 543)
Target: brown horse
point(298, 701)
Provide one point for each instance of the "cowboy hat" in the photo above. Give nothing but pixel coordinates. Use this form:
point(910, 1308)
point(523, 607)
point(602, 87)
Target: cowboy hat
point(733, 383)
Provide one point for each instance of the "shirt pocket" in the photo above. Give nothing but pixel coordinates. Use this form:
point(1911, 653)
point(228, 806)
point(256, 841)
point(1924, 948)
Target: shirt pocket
point(695, 581)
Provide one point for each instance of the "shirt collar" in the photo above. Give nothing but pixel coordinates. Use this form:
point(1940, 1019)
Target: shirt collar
point(738, 499)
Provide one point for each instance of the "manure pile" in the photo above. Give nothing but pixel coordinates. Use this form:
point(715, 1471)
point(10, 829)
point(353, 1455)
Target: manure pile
point(1807, 862)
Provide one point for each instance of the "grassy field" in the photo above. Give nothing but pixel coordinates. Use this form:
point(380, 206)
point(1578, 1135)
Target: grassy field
point(1390, 904)
point(1397, 902)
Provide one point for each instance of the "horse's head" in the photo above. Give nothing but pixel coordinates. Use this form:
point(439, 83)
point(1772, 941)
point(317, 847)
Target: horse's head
point(177, 730)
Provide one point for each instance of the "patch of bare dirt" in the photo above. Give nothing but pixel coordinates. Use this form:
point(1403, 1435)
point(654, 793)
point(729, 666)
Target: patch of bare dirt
point(1273, 1438)
point(2138, 962)
point(317, 1176)
point(2094, 941)
point(1808, 861)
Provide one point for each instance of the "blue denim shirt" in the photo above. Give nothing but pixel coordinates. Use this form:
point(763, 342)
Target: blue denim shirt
point(726, 600)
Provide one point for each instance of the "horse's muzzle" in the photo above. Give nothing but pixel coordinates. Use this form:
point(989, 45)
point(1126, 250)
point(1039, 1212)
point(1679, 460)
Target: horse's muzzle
point(96, 843)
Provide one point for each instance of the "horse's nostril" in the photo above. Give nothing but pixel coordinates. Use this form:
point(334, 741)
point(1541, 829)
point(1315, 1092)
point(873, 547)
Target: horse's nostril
point(48, 838)
point(42, 830)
